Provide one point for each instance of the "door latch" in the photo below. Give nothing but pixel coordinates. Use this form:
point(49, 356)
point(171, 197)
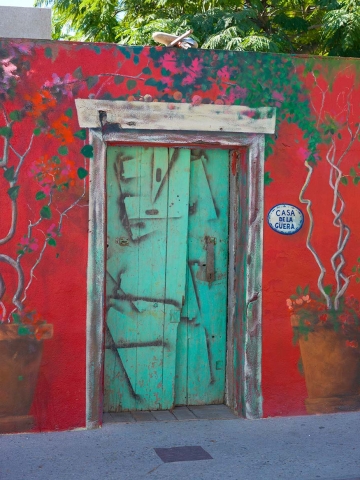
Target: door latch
point(210, 258)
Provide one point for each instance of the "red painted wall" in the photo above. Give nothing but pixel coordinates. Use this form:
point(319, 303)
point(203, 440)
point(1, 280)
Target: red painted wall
point(317, 102)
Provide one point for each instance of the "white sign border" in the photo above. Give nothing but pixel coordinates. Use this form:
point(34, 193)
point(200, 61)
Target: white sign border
point(285, 232)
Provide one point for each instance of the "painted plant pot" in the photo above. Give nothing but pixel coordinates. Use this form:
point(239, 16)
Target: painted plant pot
point(20, 358)
point(331, 366)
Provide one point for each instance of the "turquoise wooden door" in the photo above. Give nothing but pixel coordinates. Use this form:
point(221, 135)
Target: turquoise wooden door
point(167, 225)
point(201, 342)
point(147, 217)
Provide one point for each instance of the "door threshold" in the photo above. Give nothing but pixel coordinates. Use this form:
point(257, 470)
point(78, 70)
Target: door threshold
point(178, 414)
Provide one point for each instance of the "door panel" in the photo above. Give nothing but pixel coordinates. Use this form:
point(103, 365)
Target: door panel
point(147, 204)
point(201, 342)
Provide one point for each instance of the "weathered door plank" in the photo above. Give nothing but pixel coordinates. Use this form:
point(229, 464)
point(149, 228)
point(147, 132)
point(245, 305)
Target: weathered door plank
point(150, 197)
point(202, 332)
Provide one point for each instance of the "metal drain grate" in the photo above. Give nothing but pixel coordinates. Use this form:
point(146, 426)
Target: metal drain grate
point(182, 454)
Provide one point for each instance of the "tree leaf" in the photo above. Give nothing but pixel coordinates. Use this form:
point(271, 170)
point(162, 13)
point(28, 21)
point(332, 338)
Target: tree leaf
point(82, 173)
point(92, 81)
point(45, 212)
point(40, 195)
point(88, 151)
point(13, 192)
point(9, 174)
point(356, 180)
point(267, 179)
point(299, 290)
point(23, 330)
point(352, 172)
point(118, 79)
point(78, 73)
point(15, 115)
point(6, 132)
point(344, 180)
point(52, 242)
point(306, 290)
point(37, 131)
point(48, 52)
point(63, 150)
point(328, 289)
point(81, 134)
point(68, 113)
point(131, 84)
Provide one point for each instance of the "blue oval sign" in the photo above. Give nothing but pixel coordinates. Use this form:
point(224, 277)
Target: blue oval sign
point(285, 219)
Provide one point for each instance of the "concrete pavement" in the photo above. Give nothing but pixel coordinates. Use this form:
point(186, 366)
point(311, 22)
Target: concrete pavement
point(313, 447)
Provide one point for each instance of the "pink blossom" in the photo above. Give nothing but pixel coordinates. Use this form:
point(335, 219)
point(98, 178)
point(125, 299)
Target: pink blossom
point(8, 67)
point(51, 230)
point(250, 113)
point(31, 243)
point(169, 62)
point(193, 72)
point(303, 153)
point(22, 47)
point(235, 93)
point(46, 188)
point(61, 85)
point(24, 240)
point(278, 96)
point(167, 81)
point(224, 73)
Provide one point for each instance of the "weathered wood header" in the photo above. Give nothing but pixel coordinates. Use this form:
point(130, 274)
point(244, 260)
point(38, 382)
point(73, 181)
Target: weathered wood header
point(175, 116)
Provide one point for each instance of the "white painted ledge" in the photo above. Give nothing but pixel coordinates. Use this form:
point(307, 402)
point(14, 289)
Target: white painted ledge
point(176, 116)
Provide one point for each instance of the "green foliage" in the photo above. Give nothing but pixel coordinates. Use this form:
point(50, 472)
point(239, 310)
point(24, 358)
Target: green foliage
point(82, 173)
point(45, 212)
point(9, 174)
point(267, 179)
point(328, 27)
point(81, 134)
point(87, 151)
point(6, 132)
point(40, 195)
point(63, 150)
point(15, 115)
point(13, 192)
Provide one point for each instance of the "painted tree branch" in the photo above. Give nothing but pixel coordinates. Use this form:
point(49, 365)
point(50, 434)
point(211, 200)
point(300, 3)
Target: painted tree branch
point(309, 235)
point(38, 260)
point(12, 229)
point(2, 287)
point(20, 287)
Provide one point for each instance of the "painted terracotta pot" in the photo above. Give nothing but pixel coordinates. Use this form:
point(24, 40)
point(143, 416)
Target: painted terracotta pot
point(331, 369)
point(20, 358)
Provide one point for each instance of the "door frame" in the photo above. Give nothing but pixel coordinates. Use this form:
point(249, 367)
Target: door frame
point(238, 129)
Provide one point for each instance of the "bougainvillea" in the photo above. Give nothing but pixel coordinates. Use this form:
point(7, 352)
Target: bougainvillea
point(45, 163)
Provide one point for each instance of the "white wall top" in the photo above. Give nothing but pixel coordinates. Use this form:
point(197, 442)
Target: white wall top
point(22, 22)
point(176, 116)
